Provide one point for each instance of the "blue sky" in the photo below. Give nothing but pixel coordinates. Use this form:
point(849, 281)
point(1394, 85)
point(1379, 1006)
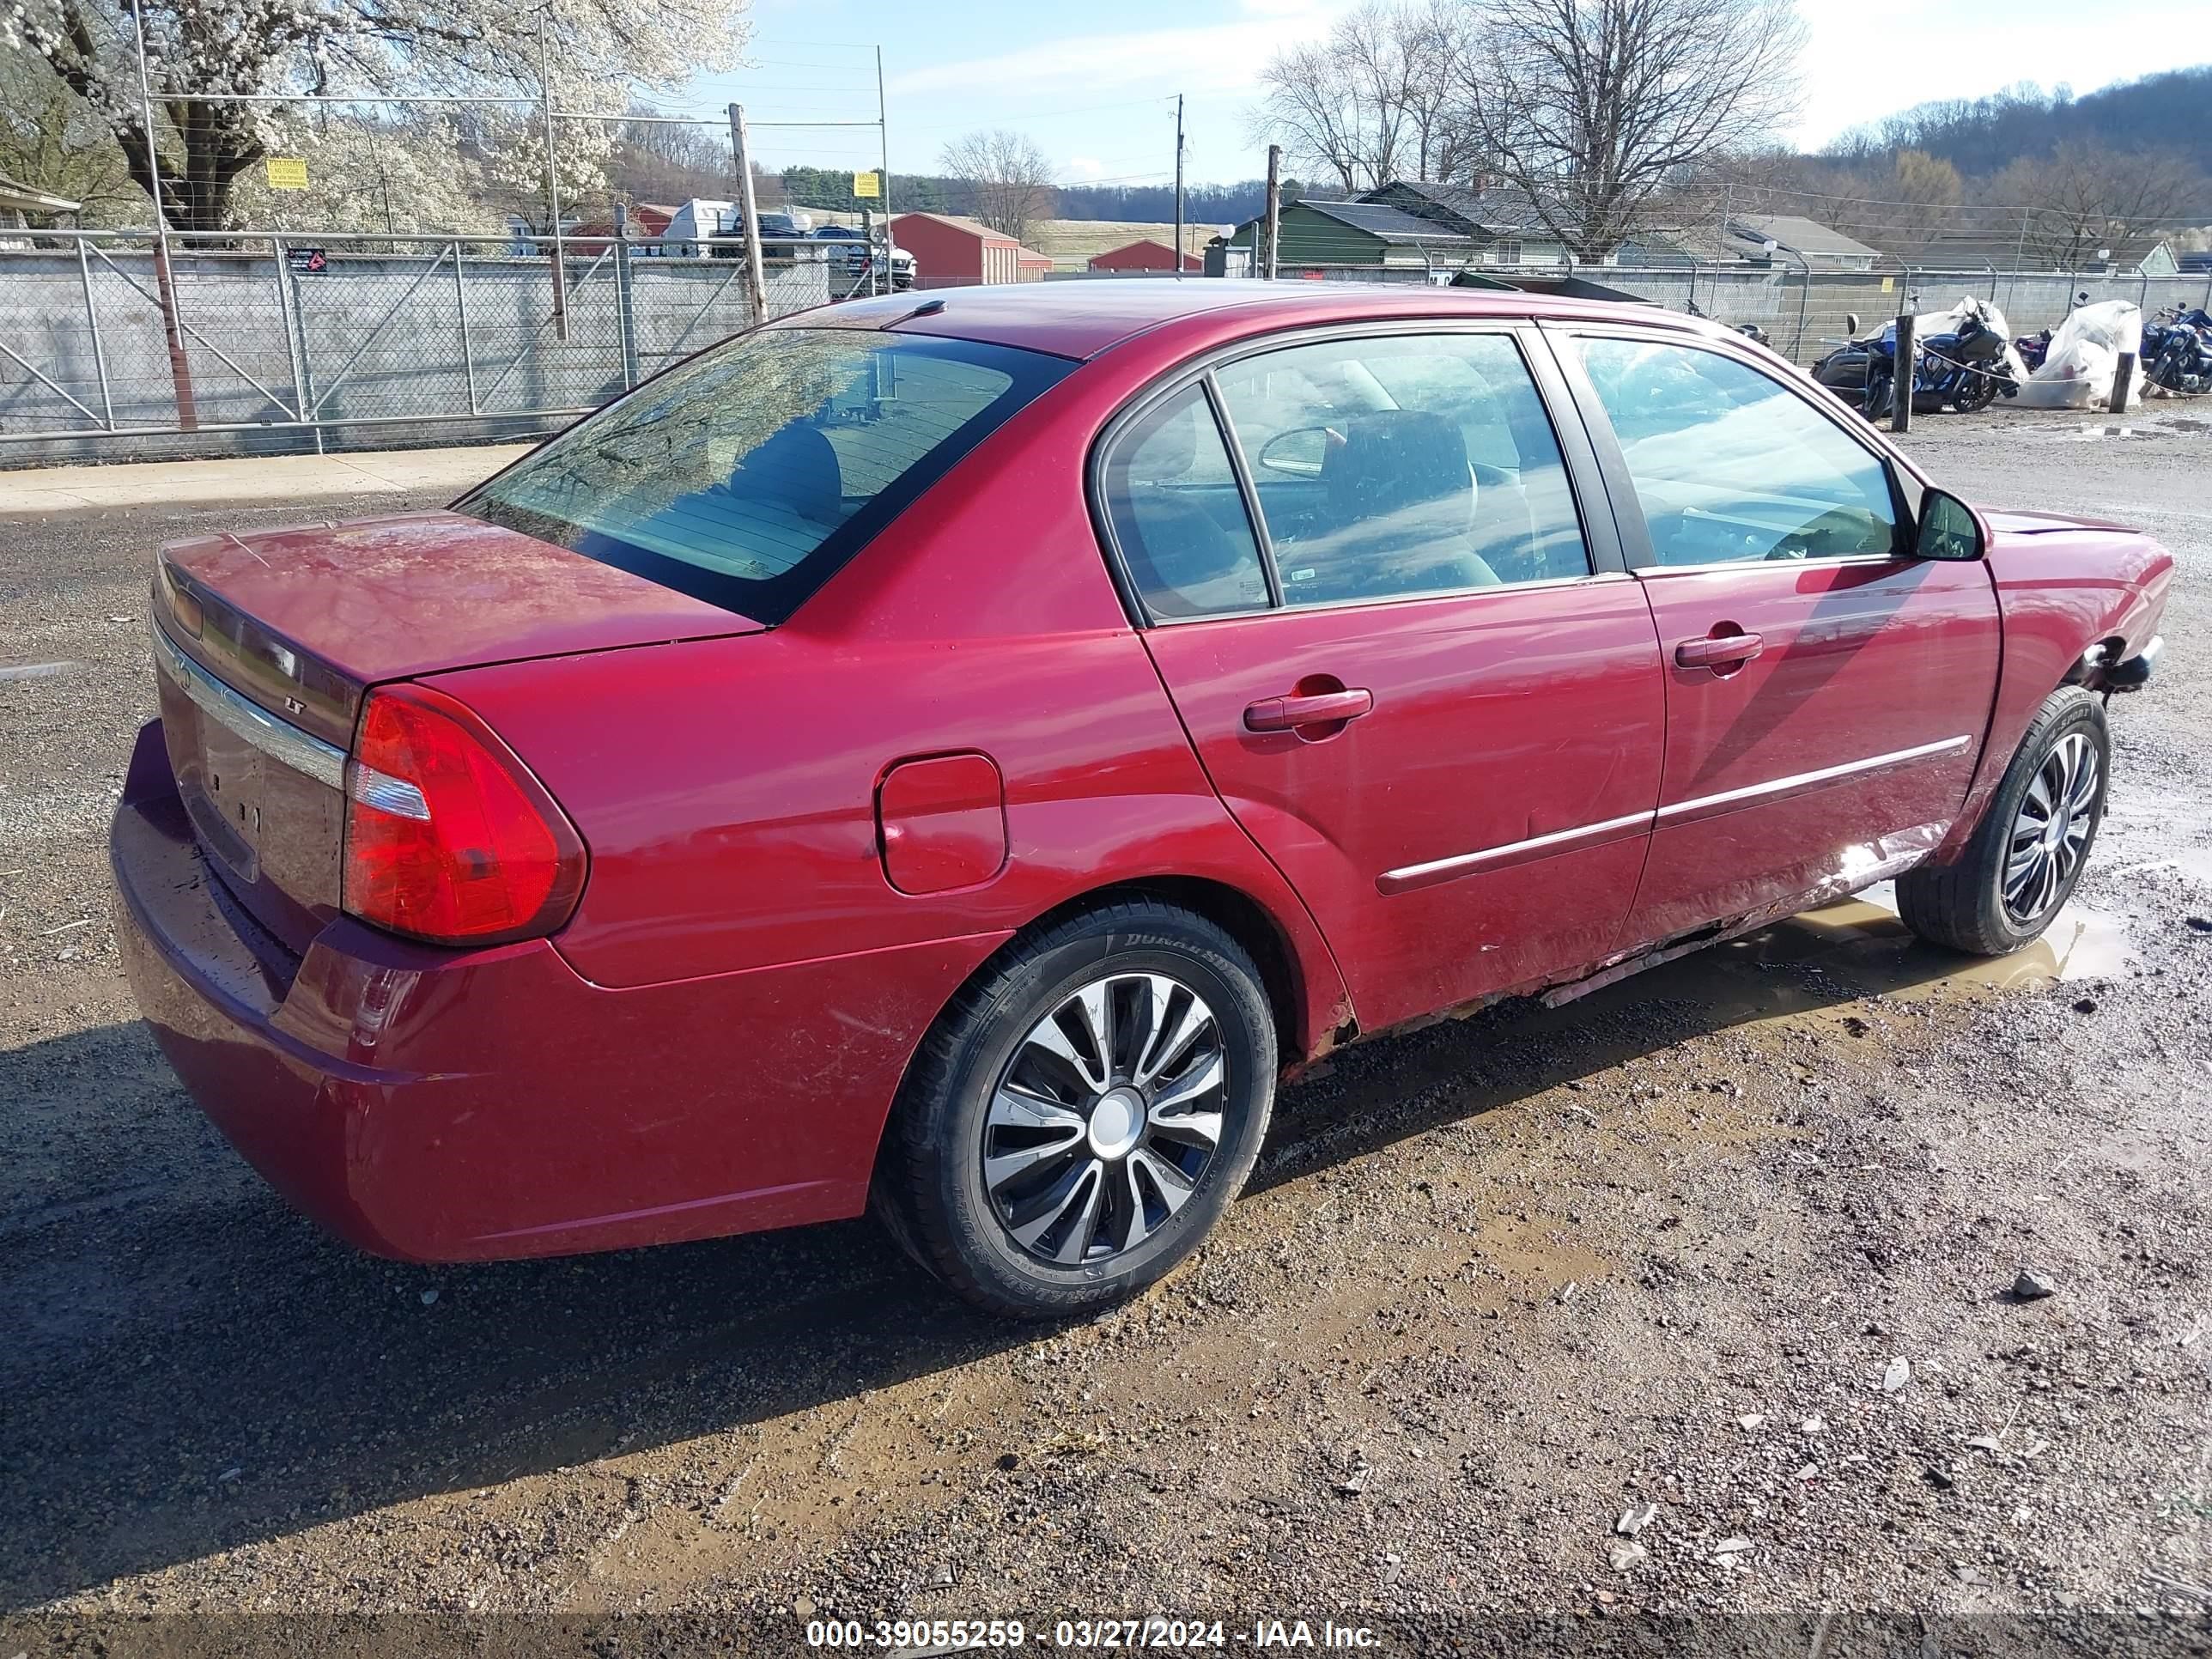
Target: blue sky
point(1095, 85)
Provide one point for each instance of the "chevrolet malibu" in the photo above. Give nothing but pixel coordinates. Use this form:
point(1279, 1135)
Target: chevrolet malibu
point(954, 758)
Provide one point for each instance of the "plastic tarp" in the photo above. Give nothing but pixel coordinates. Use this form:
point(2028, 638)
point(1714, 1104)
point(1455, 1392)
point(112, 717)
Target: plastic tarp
point(2085, 352)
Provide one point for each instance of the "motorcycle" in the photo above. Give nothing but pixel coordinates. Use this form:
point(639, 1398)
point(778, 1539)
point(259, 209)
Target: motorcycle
point(1964, 366)
point(2177, 349)
point(1751, 332)
point(2034, 348)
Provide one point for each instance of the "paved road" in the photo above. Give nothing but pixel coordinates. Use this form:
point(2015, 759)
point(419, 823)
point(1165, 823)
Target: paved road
point(1498, 1280)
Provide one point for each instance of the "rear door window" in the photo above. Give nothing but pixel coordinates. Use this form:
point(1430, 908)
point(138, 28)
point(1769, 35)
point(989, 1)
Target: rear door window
point(749, 475)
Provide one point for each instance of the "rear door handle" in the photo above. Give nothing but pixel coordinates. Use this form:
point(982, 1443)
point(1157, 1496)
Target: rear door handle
point(1717, 654)
point(1318, 709)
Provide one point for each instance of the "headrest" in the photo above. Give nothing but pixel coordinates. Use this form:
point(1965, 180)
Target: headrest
point(1395, 458)
point(797, 467)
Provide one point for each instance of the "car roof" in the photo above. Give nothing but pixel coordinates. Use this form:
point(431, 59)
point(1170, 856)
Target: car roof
point(1082, 318)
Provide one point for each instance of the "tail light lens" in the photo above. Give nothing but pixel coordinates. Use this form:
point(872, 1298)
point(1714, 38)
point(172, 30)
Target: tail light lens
point(447, 837)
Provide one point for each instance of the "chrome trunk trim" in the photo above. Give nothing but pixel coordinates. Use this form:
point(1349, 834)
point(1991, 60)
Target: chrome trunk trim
point(282, 742)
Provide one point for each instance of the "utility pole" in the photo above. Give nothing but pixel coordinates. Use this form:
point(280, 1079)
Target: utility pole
point(180, 366)
point(748, 217)
point(553, 186)
point(1178, 251)
point(1275, 210)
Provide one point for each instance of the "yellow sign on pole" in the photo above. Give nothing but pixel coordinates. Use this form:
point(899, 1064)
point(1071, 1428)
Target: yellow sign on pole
point(867, 184)
point(287, 173)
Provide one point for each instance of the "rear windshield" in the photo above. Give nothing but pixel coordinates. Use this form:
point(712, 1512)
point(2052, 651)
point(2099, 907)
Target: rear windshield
point(748, 475)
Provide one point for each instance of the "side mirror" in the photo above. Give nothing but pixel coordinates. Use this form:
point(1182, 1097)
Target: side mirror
point(1948, 529)
point(1852, 323)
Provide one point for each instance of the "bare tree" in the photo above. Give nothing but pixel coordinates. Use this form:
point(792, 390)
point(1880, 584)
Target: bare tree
point(1374, 101)
point(1008, 175)
point(1589, 108)
point(2085, 197)
point(659, 160)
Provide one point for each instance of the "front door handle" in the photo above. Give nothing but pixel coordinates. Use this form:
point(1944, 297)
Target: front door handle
point(1730, 648)
point(1316, 709)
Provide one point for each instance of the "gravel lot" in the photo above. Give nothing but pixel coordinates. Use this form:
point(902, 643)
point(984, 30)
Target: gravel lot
point(1734, 1241)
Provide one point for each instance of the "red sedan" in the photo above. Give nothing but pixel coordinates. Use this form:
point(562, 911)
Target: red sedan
point(957, 756)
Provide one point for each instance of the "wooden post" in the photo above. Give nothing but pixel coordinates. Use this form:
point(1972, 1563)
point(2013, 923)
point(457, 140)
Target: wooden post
point(1178, 189)
point(749, 217)
point(1275, 210)
point(180, 365)
point(2123, 380)
point(1904, 374)
point(553, 188)
point(625, 302)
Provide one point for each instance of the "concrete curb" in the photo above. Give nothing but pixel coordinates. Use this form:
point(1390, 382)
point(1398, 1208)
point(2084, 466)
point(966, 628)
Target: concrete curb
point(270, 480)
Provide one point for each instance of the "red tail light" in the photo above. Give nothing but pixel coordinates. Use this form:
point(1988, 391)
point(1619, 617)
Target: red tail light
point(447, 837)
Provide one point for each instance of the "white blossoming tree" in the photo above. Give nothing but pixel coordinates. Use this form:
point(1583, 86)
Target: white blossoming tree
point(367, 174)
point(599, 48)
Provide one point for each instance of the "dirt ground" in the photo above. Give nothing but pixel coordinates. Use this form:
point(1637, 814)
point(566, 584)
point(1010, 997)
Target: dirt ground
point(1735, 1240)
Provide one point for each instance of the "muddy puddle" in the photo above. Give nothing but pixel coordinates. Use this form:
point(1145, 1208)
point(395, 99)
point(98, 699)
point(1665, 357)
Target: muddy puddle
point(2148, 427)
point(1859, 948)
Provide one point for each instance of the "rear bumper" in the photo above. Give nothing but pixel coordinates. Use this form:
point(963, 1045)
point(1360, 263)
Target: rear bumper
point(436, 1105)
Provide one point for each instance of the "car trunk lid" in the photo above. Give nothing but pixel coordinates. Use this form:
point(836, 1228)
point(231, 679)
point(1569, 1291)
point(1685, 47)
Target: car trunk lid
point(266, 644)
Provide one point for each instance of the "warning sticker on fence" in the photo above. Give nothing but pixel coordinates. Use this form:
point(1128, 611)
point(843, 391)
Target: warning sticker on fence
point(305, 258)
point(287, 173)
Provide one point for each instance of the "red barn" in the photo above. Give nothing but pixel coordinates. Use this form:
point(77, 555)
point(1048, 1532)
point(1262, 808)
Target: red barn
point(950, 251)
point(1144, 255)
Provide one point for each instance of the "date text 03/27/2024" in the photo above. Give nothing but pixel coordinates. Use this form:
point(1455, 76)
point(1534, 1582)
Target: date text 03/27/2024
point(905, 1635)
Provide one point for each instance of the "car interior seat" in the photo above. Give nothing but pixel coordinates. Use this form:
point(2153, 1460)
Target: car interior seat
point(1399, 500)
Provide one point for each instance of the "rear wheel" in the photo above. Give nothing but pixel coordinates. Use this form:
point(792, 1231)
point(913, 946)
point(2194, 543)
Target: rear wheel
point(2026, 857)
point(1082, 1113)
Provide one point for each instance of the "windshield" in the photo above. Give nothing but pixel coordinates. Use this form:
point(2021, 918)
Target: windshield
point(747, 476)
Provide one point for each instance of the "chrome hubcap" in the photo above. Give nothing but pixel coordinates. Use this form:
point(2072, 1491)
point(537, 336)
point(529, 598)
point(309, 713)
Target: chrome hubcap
point(2052, 830)
point(1106, 1119)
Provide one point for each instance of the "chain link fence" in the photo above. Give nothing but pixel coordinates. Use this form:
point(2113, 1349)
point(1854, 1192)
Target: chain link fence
point(255, 342)
point(1805, 314)
point(262, 342)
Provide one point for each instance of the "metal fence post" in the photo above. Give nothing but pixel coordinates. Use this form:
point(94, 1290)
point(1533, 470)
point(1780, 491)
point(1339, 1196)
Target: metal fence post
point(461, 311)
point(92, 318)
point(291, 340)
point(303, 366)
point(1804, 298)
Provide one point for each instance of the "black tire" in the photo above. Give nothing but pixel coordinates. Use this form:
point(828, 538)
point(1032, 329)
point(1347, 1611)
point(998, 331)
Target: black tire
point(930, 1187)
point(1963, 905)
point(1876, 400)
point(1975, 394)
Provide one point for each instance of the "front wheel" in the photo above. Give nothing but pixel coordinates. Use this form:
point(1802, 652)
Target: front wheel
point(1975, 393)
point(2026, 857)
point(1876, 402)
point(1083, 1113)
